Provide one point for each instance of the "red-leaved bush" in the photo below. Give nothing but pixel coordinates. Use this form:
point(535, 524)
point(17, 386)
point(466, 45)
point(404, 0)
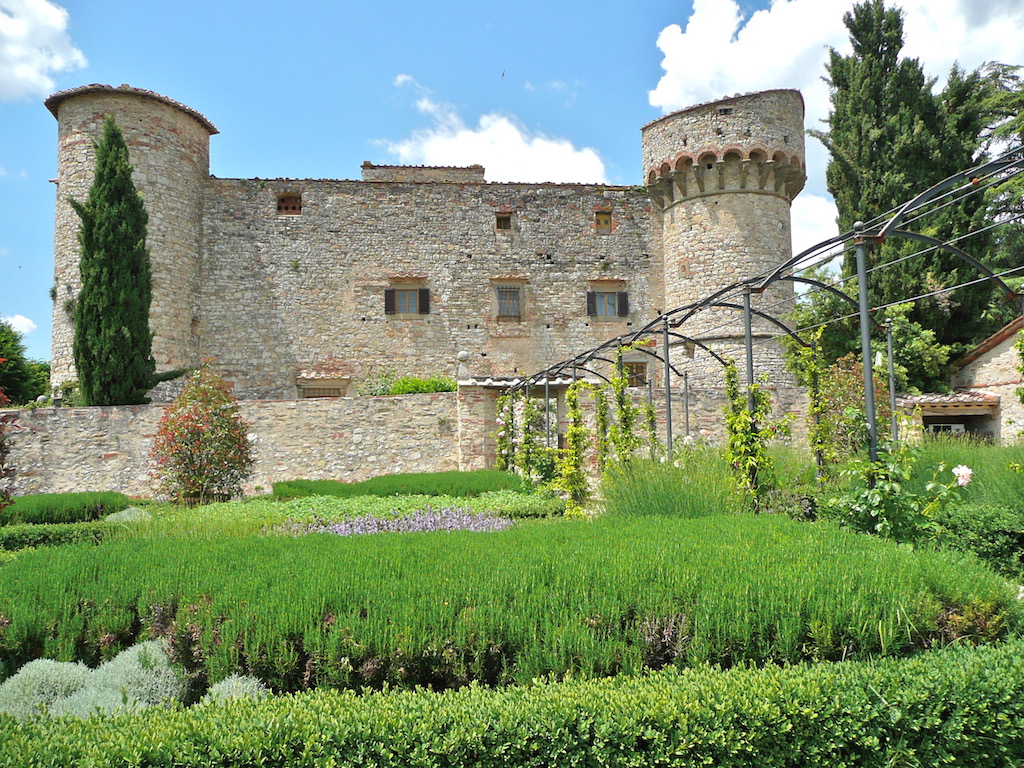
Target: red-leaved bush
point(202, 450)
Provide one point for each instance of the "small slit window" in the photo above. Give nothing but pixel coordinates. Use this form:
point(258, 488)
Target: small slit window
point(603, 222)
point(503, 221)
point(289, 205)
point(725, 110)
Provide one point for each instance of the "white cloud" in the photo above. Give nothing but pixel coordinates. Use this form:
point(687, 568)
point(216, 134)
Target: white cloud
point(21, 324)
point(786, 46)
point(814, 220)
point(33, 44)
point(508, 150)
point(3, 171)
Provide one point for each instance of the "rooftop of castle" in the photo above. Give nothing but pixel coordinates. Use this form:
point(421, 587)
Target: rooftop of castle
point(724, 100)
point(54, 101)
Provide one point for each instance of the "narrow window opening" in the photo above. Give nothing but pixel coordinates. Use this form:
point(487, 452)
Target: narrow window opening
point(503, 221)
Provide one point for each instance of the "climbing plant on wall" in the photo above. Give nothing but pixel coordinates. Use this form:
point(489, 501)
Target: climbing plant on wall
point(572, 478)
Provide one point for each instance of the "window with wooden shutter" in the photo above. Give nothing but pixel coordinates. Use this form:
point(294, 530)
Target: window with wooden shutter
point(406, 300)
point(389, 301)
point(603, 222)
point(424, 301)
point(622, 302)
point(607, 304)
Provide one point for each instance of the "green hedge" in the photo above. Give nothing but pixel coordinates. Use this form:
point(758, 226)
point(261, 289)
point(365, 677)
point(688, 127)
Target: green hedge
point(960, 706)
point(993, 533)
point(443, 609)
point(14, 537)
point(62, 507)
point(458, 484)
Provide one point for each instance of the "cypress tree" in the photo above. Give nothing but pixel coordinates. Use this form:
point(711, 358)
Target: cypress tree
point(113, 343)
point(890, 137)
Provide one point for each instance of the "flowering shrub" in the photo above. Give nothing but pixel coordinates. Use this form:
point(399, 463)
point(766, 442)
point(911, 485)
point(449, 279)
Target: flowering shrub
point(882, 504)
point(202, 449)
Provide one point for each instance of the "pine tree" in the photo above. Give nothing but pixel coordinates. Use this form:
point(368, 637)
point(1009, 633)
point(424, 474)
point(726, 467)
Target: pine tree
point(112, 344)
point(890, 137)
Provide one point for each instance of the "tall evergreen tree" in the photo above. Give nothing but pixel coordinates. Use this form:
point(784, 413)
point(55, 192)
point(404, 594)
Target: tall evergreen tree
point(890, 137)
point(112, 345)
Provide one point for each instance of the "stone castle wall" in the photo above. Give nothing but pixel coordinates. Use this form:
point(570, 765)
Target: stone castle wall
point(996, 372)
point(63, 450)
point(283, 282)
point(285, 293)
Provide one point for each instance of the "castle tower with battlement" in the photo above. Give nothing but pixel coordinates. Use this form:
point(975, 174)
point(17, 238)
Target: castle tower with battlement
point(723, 176)
point(310, 287)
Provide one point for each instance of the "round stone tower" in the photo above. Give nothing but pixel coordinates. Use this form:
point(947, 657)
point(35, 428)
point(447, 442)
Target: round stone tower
point(169, 149)
point(724, 175)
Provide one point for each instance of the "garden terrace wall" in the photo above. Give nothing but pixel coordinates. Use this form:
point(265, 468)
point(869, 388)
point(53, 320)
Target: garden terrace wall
point(107, 448)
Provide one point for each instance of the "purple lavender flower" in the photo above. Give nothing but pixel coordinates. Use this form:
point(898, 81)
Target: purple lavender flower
point(426, 519)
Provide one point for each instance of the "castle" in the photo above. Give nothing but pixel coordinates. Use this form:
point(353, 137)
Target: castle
point(303, 287)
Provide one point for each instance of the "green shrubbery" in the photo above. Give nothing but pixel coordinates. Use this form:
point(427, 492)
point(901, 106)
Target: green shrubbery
point(456, 484)
point(412, 385)
point(960, 706)
point(62, 507)
point(698, 483)
point(608, 597)
point(139, 677)
point(14, 537)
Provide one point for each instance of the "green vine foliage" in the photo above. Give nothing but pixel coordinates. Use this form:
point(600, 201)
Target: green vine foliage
point(604, 446)
point(622, 434)
point(505, 418)
point(651, 423)
point(749, 433)
point(572, 478)
point(1019, 346)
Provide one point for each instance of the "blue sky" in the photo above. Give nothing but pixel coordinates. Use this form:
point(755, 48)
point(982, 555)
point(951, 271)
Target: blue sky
point(534, 91)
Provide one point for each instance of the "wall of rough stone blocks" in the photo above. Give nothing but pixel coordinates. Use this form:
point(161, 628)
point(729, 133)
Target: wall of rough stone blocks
point(283, 294)
point(996, 372)
point(58, 450)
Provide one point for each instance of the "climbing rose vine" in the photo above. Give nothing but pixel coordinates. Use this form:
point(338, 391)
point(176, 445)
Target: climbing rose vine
point(202, 450)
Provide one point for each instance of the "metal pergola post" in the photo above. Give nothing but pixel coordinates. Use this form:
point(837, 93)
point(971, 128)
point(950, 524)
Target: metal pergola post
point(668, 393)
point(686, 400)
point(547, 410)
point(865, 339)
point(895, 427)
point(748, 343)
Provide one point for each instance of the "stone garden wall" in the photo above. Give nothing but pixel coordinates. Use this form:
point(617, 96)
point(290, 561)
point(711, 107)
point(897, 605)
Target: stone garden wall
point(107, 448)
point(57, 450)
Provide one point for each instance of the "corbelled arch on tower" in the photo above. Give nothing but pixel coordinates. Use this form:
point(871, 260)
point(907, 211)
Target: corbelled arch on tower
point(169, 149)
point(723, 176)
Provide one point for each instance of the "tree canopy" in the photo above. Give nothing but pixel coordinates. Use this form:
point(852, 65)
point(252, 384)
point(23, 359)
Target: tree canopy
point(21, 379)
point(891, 136)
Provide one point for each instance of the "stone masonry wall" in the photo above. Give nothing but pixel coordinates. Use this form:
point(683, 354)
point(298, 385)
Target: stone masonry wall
point(57, 450)
point(60, 450)
point(281, 294)
point(996, 372)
